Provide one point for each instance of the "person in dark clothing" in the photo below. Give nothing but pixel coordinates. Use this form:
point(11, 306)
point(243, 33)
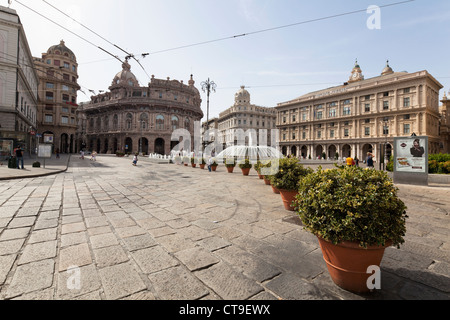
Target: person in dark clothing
point(19, 157)
point(369, 160)
point(417, 150)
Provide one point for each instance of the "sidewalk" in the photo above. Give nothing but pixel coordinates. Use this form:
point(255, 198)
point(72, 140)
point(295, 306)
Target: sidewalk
point(52, 166)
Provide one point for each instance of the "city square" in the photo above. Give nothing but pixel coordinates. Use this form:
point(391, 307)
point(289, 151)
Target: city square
point(161, 231)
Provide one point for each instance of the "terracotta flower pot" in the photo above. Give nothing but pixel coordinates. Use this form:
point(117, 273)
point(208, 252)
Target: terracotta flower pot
point(275, 190)
point(347, 263)
point(245, 171)
point(185, 164)
point(230, 169)
point(202, 166)
point(260, 176)
point(266, 181)
point(213, 168)
point(194, 165)
point(288, 196)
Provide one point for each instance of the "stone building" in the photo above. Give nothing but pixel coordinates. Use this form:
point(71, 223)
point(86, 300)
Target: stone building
point(130, 118)
point(244, 115)
point(362, 115)
point(58, 87)
point(18, 86)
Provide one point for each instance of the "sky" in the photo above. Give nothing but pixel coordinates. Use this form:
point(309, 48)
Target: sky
point(278, 49)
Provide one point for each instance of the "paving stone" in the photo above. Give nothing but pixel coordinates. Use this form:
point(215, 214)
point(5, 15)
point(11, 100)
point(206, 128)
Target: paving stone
point(11, 234)
point(103, 240)
point(139, 242)
point(290, 287)
point(109, 256)
point(73, 228)
point(196, 258)
point(143, 295)
point(11, 246)
point(46, 224)
point(49, 215)
point(154, 259)
point(175, 242)
point(46, 294)
point(228, 283)
point(151, 223)
point(77, 255)
point(214, 243)
point(96, 222)
point(77, 282)
point(250, 265)
point(28, 212)
point(6, 263)
point(71, 239)
point(130, 231)
point(4, 222)
point(72, 219)
point(43, 235)
point(177, 284)
point(38, 251)
point(21, 222)
point(123, 223)
point(195, 233)
point(25, 279)
point(120, 281)
point(99, 230)
point(160, 232)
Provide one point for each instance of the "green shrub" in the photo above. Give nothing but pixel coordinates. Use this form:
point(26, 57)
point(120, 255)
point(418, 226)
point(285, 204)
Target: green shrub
point(390, 164)
point(289, 174)
point(36, 164)
point(246, 164)
point(230, 162)
point(352, 204)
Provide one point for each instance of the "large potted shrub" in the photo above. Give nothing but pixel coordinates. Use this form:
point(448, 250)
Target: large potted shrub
point(230, 164)
point(245, 166)
point(214, 164)
point(355, 214)
point(287, 180)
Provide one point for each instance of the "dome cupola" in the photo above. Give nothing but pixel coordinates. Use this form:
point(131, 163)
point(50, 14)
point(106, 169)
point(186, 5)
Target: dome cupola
point(125, 77)
point(242, 96)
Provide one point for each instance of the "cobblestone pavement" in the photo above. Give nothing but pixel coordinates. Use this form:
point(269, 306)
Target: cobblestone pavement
point(109, 230)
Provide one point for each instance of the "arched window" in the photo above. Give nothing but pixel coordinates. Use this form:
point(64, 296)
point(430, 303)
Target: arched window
point(160, 122)
point(174, 122)
point(187, 123)
point(144, 121)
point(129, 121)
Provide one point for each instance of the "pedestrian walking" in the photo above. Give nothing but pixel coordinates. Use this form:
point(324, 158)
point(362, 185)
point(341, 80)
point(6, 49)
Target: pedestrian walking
point(210, 162)
point(369, 160)
point(135, 159)
point(19, 157)
point(94, 156)
point(82, 154)
point(350, 162)
point(356, 161)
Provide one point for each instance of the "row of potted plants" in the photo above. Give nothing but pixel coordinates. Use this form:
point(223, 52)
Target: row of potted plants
point(355, 214)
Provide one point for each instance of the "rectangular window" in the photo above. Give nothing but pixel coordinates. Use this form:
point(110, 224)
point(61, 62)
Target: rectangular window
point(346, 101)
point(347, 111)
point(65, 110)
point(66, 97)
point(284, 119)
point(293, 136)
point(332, 113)
point(49, 61)
point(57, 62)
point(386, 130)
point(48, 118)
point(407, 90)
point(304, 135)
point(368, 97)
point(367, 107)
point(385, 105)
point(65, 88)
point(66, 65)
point(74, 69)
point(406, 102)
point(386, 94)
point(406, 128)
point(66, 77)
point(331, 133)
point(72, 120)
point(346, 132)
point(304, 116)
point(319, 134)
point(49, 107)
point(49, 96)
point(319, 115)
point(294, 118)
point(49, 85)
point(406, 117)
point(65, 120)
point(367, 131)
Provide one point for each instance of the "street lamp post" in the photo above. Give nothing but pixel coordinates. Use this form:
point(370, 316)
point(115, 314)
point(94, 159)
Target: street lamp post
point(208, 86)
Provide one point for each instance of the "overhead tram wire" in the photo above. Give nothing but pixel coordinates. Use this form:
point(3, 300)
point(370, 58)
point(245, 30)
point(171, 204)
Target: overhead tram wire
point(129, 55)
point(77, 35)
point(279, 27)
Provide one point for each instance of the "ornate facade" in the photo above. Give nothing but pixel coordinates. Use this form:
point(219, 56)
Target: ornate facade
point(18, 86)
point(362, 115)
point(130, 118)
point(244, 115)
point(58, 87)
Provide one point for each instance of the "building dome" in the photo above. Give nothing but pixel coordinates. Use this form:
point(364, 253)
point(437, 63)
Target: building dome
point(125, 77)
point(61, 49)
point(242, 96)
point(387, 70)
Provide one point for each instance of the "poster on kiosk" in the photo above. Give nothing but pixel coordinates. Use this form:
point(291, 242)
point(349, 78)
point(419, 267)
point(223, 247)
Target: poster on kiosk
point(411, 159)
